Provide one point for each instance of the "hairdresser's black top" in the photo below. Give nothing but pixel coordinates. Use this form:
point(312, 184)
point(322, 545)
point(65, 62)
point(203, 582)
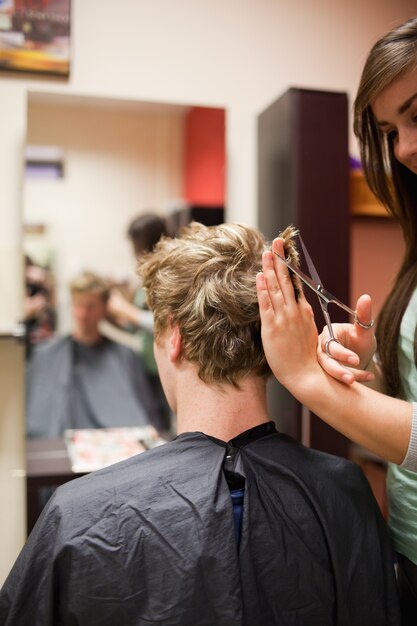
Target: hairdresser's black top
point(151, 541)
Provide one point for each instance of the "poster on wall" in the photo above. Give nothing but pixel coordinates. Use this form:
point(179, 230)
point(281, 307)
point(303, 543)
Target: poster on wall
point(35, 36)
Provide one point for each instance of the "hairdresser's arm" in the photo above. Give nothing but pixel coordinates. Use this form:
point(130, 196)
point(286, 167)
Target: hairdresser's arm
point(125, 311)
point(377, 422)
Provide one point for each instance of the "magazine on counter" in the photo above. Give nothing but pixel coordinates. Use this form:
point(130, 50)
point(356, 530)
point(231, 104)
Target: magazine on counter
point(90, 449)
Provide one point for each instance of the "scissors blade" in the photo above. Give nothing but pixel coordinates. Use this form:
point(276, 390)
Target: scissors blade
point(315, 275)
point(328, 297)
point(324, 296)
point(311, 267)
point(316, 287)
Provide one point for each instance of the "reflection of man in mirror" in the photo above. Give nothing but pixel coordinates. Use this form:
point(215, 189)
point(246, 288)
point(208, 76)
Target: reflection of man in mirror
point(231, 523)
point(85, 380)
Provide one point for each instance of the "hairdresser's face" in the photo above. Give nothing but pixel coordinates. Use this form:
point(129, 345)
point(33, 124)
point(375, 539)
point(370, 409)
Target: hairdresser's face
point(395, 110)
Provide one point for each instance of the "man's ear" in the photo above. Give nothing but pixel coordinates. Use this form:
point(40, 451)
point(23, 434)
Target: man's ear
point(175, 344)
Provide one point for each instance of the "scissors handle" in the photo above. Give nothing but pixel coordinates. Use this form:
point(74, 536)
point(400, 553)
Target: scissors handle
point(327, 319)
point(328, 298)
point(362, 324)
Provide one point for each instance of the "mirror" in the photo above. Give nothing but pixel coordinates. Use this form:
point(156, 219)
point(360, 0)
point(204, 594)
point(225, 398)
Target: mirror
point(118, 159)
point(92, 165)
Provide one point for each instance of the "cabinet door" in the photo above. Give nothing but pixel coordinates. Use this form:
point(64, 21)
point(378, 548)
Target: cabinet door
point(303, 174)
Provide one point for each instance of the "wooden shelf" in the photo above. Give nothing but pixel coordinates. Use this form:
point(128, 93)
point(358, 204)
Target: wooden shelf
point(362, 200)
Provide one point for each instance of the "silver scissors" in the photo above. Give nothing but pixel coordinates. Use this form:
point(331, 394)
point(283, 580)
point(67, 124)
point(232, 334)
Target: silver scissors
point(324, 296)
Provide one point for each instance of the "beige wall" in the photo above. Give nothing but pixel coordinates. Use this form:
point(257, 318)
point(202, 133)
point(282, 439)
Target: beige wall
point(377, 247)
point(240, 54)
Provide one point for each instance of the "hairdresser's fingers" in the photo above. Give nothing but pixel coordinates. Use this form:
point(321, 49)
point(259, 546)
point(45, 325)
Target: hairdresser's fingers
point(271, 281)
point(336, 349)
point(362, 376)
point(265, 305)
point(340, 372)
point(353, 339)
point(282, 272)
point(334, 369)
point(364, 312)
point(364, 342)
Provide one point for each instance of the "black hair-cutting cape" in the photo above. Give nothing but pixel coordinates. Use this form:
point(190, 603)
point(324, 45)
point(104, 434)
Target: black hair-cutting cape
point(114, 383)
point(151, 541)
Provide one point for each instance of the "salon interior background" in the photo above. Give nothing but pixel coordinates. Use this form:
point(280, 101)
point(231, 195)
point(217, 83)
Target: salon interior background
point(236, 54)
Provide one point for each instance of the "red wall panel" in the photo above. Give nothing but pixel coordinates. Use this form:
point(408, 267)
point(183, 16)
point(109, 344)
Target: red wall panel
point(205, 157)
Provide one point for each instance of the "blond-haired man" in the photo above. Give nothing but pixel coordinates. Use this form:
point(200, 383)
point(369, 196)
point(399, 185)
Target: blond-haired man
point(231, 523)
point(84, 380)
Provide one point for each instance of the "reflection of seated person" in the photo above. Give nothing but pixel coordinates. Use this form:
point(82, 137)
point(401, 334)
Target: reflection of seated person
point(85, 380)
point(230, 523)
point(132, 314)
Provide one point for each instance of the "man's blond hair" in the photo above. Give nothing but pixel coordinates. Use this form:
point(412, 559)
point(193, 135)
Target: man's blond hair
point(204, 281)
point(89, 282)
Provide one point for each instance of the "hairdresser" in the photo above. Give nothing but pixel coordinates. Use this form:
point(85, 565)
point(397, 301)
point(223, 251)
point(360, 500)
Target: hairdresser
point(383, 419)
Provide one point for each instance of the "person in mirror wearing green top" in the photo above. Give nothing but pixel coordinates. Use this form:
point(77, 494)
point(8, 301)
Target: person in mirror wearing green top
point(385, 123)
point(144, 232)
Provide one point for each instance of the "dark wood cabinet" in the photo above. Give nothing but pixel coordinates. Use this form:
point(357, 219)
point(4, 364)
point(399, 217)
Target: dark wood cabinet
point(303, 174)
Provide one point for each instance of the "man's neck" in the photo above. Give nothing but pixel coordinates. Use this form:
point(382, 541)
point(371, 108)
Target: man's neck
point(87, 339)
point(221, 411)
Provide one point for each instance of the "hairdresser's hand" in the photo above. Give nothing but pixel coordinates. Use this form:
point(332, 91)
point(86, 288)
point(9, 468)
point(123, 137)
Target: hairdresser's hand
point(289, 334)
point(350, 357)
point(119, 307)
point(33, 306)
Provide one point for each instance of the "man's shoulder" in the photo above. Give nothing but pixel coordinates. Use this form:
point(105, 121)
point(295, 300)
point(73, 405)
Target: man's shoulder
point(46, 352)
point(319, 478)
point(53, 344)
point(318, 467)
point(82, 502)
point(327, 461)
point(142, 472)
point(107, 495)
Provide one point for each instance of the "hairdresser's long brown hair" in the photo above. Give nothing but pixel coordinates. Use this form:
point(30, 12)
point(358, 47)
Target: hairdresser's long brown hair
point(392, 183)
